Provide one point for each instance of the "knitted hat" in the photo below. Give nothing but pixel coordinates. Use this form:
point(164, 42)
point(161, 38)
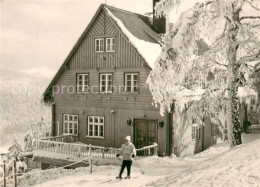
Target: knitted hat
point(128, 138)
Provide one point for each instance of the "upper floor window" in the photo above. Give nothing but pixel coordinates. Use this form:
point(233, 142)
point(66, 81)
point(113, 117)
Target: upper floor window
point(110, 44)
point(99, 45)
point(253, 101)
point(106, 83)
point(82, 83)
point(70, 124)
point(214, 129)
point(195, 132)
point(131, 82)
point(95, 126)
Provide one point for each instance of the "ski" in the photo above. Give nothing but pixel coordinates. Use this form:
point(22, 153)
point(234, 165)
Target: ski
point(117, 180)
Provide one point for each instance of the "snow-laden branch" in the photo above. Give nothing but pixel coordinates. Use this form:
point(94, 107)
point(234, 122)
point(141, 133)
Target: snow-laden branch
point(219, 63)
point(249, 17)
point(249, 59)
point(250, 3)
point(237, 43)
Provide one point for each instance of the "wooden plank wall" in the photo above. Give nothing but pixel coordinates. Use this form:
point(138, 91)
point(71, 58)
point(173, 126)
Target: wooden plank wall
point(124, 60)
point(67, 83)
point(115, 126)
point(125, 54)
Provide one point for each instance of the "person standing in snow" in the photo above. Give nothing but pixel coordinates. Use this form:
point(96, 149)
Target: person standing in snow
point(128, 152)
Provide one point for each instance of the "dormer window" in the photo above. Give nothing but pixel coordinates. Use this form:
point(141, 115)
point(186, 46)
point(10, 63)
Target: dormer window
point(110, 44)
point(99, 45)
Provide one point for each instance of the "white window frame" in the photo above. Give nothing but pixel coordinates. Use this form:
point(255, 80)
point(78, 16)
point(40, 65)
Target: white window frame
point(70, 119)
point(111, 46)
point(83, 86)
point(214, 129)
point(94, 124)
point(100, 47)
point(195, 132)
point(106, 82)
point(132, 82)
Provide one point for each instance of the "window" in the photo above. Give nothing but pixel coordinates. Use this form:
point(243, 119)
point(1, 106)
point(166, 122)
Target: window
point(106, 83)
point(96, 126)
point(110, 44)
point(82, 83)
point(214, 129)
point(253, 101)
point(70, 124)
point(99, 45)
point(131, 82)
point(195, 132)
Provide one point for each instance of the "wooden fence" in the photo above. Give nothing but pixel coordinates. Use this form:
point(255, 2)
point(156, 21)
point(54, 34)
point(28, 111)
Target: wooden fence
point(147, 150)
point(76, 150)
point(61, 145)
point(63, 138)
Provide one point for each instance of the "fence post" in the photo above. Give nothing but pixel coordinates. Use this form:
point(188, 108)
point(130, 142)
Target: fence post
point(14, 174)
point(4, 175)
point(90, 159)
point(155, 151)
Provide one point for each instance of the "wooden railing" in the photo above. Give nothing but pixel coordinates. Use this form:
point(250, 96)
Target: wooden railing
point(64, 145)
point(147, 150)
point(62, 138)
point(76, 150)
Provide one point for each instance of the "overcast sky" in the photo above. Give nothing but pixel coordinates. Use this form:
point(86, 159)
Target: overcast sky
point(37, 35)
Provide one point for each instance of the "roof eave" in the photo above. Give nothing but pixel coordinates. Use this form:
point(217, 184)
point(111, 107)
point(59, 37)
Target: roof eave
point(71, 53)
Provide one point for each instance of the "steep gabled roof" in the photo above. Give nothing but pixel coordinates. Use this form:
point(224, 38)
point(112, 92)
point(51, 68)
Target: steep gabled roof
point(139, 25)
point(136, 27)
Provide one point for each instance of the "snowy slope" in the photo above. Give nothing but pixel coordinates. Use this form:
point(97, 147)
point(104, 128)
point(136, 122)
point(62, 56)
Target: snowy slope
point(217, 166)
point(237, 167)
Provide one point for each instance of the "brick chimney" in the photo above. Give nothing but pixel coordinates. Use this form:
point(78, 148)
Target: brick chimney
point(159, 24)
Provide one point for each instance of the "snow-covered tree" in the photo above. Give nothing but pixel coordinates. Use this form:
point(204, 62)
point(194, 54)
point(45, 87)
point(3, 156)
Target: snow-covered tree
point(37, 130)
point(208, 56)
point(15, 154)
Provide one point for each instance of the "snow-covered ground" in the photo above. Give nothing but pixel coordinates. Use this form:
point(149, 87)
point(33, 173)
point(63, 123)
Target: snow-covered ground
point(217, 166)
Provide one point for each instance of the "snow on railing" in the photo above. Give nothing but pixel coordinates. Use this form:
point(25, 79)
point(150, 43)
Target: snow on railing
point(147, 150)
point(64, 145)
point(62, 138)
point(76, 150)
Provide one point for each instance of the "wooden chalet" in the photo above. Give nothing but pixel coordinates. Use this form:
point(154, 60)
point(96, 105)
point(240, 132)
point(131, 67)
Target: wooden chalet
point(99, 95)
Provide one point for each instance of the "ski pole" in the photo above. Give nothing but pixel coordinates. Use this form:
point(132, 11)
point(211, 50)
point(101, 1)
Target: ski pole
point(139, 167)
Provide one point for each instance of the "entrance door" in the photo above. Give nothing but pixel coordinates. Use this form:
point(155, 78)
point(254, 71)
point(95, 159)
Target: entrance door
point(145, 133)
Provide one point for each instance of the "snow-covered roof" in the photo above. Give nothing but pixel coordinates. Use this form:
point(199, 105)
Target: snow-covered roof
point(138, 30)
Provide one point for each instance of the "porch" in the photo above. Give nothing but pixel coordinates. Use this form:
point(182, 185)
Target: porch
point(65, 150)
